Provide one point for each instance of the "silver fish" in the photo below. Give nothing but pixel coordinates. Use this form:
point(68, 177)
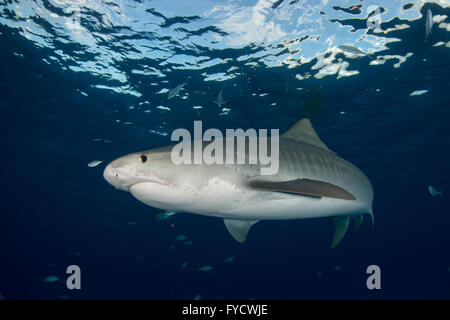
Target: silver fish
point(205, 268)
point(175, 91)
point(434, 191)
point(220, 100)
point(164, 215)
point(50, 279)
point(354, 50)
point(228, 259)
point(351, 49)
point(94, 163)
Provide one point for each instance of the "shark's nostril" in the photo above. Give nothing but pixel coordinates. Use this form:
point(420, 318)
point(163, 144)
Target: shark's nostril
point(117, 175)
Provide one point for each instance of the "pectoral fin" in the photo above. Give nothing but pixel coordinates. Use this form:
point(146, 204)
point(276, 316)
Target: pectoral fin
point(308, 187)
point(340, 227)
point(239, 228)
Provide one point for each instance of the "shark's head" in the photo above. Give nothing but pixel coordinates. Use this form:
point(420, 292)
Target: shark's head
point(131, 169)
point(152, 178)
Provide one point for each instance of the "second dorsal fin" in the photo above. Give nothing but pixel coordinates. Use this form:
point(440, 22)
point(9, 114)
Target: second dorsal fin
point(303, 131)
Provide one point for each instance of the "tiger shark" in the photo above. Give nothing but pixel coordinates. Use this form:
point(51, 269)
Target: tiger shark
point(312, 182)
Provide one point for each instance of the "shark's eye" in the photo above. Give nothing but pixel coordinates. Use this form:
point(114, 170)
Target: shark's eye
point(143, 158)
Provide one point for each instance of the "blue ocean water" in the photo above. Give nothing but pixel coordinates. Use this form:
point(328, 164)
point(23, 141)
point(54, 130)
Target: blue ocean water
point(88, 80)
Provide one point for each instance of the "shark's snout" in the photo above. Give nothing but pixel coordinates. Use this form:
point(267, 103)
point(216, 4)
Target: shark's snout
point(127, 171)
point(120, 177)
point(111, 175)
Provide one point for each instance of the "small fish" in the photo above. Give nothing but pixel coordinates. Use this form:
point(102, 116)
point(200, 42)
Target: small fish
point(175, 91)
point(220, 100)
point(64, 297)
point(94, 163)
point(172, 247)
point(50, 279)
point(181, 237)
point(198, 297)
point(161, 133)
point(434, 191)
point(52, 264)
point(228, 259)
point(351, 49)
point(354, 50)
point(1, 297)
point(184, 265)
point(204, 268)
point(188, 243)
point(318, 274)
point(77, 254)
point(132, 223)
point(418, 92)
point(428, 24)
point(337, 268)
point(164, 215)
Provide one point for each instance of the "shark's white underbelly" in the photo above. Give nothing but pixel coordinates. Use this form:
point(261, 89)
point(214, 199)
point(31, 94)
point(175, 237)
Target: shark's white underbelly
point(221, 199)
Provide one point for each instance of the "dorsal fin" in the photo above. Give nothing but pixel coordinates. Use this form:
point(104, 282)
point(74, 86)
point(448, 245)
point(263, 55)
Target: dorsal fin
point(303, 131)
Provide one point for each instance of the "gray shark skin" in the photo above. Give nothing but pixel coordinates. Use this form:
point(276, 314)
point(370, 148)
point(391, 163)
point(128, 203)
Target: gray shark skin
point(312, 182)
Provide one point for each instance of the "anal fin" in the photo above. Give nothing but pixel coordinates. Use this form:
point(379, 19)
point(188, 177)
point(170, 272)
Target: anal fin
point(239, 228)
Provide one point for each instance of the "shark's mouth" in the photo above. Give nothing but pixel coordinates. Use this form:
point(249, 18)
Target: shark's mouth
point(152, 193)
point(146, 184)
point(149, 180)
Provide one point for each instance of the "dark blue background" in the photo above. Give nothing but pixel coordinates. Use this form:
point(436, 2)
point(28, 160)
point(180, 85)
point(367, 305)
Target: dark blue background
point(53, 206)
